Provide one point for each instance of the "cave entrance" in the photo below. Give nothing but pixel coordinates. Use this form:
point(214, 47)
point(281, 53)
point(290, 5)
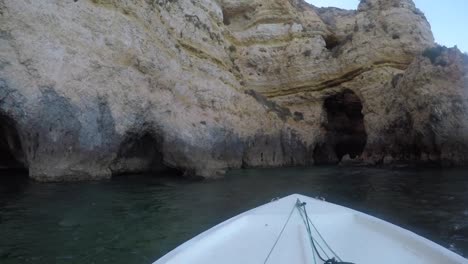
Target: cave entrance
point(11, 151)
point(141, 154)
point(346, 133)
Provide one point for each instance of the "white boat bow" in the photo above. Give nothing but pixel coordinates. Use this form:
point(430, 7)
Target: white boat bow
point(280, 233)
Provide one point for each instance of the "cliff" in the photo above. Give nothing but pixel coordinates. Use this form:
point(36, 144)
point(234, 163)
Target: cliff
point(95, 88)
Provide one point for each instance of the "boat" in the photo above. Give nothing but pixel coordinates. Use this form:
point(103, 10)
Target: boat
point(301, 230)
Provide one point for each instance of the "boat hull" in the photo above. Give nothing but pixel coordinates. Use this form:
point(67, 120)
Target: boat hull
point(255, 237)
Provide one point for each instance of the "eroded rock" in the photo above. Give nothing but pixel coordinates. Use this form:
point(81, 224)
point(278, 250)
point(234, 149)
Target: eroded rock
point(91, 89)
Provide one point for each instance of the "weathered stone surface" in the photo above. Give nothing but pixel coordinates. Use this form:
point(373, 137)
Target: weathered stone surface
point(95, 88)
point(427, 118)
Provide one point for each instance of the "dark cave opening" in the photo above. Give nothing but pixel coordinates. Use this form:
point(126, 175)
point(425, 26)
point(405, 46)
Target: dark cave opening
point(11, 152)
point(141, 154)
point(346, 133)
point(331, 41)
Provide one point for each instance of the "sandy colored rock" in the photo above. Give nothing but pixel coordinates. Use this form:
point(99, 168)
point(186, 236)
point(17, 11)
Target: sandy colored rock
point(95, 88)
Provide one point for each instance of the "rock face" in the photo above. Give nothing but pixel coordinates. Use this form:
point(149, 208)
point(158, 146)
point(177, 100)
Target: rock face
point(95, 88)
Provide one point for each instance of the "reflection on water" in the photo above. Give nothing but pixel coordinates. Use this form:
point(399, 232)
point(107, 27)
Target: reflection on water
point(137, 219)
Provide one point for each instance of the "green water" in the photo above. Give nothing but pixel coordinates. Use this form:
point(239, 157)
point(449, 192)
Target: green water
point(137, 219)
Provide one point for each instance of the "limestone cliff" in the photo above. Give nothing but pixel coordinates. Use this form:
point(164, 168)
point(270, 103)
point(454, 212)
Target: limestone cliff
point(95, 88)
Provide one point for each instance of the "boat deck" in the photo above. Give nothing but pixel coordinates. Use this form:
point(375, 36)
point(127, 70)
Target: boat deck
point(353, 236)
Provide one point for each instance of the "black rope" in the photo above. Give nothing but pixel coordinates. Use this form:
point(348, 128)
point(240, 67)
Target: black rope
point(302, 209)
point(310, 235)
point(324, 241)
point(302, 206)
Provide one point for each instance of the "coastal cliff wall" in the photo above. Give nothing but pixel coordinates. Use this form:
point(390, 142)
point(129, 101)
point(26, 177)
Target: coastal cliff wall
point(95, 88)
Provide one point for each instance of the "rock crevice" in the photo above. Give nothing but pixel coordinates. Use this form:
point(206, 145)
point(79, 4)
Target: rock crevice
point(11, 149)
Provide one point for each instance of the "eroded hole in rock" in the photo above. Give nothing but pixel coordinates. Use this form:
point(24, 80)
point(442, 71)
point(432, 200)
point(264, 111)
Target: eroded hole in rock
point(11, 152)
point(331, 41)
point(346, 134)
point(141, 153)
point(226, 18)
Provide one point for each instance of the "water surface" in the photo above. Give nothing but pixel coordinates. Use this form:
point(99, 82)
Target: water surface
point(137, 219)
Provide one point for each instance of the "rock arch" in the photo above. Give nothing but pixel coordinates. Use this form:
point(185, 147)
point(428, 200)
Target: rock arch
point(140, 153)
point(345, 129)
